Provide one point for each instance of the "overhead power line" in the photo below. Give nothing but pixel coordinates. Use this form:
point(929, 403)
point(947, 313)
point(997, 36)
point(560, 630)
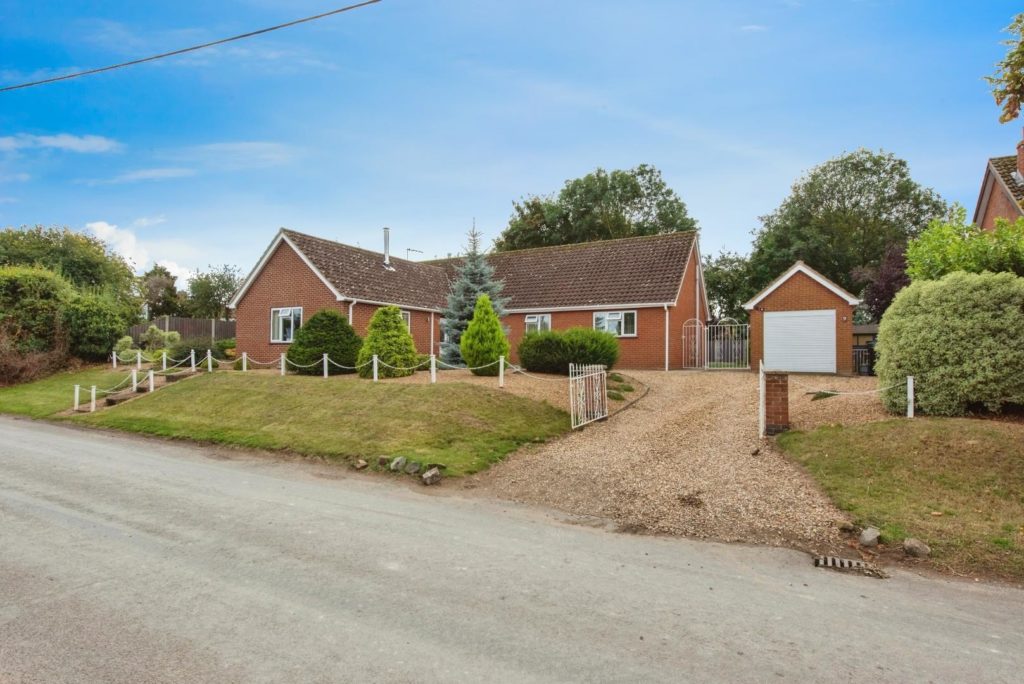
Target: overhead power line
point(182, 51)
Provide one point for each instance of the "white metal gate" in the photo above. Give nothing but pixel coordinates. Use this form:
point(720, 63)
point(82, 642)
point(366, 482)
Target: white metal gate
point(725, 344)
point(588, 393)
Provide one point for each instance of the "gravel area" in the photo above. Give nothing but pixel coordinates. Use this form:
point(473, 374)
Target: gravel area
point(680, 461)
point(806, 413)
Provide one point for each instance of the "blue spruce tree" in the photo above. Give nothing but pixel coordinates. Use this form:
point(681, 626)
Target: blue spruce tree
point(474, 277)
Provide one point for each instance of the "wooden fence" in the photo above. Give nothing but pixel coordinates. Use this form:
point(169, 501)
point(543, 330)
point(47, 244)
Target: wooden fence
point(189, 328)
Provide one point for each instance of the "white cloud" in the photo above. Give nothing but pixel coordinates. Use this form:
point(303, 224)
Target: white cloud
point(122, 240)
point(232, 156)
point(147, 221)
point(142, 253)
point(20, 177)
point(753, 28)
point(159, 173)
point(180, 272)
point(88, 144)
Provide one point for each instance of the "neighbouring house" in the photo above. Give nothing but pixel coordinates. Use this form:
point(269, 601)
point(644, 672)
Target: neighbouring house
point(802, 323)
point(641, 289)
point(1002, 190)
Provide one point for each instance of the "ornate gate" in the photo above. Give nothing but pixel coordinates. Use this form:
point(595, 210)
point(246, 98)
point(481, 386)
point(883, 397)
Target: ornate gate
point(721, 345)
point(588, 393)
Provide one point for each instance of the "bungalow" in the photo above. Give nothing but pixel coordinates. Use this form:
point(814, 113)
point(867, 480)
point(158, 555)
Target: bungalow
point(640, 289)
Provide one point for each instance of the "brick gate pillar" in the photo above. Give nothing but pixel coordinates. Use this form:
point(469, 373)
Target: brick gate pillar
point(776, 408)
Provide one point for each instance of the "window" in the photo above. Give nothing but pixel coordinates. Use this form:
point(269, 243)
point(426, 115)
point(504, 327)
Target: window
point(407, 317)
point(284, 322)
point(538, 323)
point(618, 323)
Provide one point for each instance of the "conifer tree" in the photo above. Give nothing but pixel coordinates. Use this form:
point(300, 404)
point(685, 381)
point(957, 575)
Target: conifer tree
point(474, 277)
point(484, 341)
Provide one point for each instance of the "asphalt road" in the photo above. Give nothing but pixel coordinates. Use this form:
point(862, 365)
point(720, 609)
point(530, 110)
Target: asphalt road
point(129, 560)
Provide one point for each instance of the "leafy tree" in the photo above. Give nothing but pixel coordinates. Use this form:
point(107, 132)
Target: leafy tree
point(210, 291)
point(388, 338)
point(883, 283)
point(727, 281)
point(326, 332)
point(93, 324)
point(484, 341)
point(160, 292)
point(842, 216)
point(473, 278)
point(1008, 81)
point(32, 302)
point(599, 206)
point(954, 245)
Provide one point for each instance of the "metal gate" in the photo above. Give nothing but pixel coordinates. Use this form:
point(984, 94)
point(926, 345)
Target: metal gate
point(721, 345)
point(588, 393)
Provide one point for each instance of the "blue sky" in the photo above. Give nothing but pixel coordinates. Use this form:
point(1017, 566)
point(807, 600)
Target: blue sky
point(425, 115)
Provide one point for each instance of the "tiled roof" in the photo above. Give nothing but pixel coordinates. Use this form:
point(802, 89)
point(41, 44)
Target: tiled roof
point(640, 270)
point(361, 274)
point(1005, 166)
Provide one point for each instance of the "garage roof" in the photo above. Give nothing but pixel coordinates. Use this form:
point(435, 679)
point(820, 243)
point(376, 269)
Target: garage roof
point(801, 267)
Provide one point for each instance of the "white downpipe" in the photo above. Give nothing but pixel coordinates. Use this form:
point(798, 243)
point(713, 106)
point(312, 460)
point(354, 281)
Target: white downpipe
point(282, 364)
point(135, 380)
point(666, 336)
point(351, 310)
point(433, 333)
point(209, 361)
point(78, 392)
point(192, 358)
point(375, 368)
point(164, 366)
point(152, 381)
point(92, 399)
point(138, 359)
point(910, 396)
point(325, 365)
point(245, 361)
point(433, 369)
point(501, 371)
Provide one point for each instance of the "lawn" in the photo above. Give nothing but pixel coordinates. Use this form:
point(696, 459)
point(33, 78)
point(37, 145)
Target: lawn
point(56, 392)
point(957, 484)
point(463, 426)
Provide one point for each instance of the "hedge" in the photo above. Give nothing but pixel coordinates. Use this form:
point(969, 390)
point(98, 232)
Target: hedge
point(326, 332)
point(553, 351)
point(961, 339)
point(93, 324)
point(32, 301)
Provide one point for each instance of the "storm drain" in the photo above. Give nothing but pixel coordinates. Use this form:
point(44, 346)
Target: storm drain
point(839, 563)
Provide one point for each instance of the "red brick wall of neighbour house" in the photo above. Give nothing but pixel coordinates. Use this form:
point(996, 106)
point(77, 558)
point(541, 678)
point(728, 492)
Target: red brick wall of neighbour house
point(286, 281)
point(802, 293)
point(1000, 205)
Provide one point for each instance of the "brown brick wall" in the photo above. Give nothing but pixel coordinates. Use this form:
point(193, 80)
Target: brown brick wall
point(776, 403)
point(802, 293)
point(1000, 205)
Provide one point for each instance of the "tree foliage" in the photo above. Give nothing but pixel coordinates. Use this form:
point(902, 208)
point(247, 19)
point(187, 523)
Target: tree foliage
point(32, 302)
point(484, 341)
point(160, 292)
point(960, 338)
point(209, 292)
point(842, 216)
point(474, 277)
point(884, 282)
point(388, 338)
point(954, 245)
point(326, 332)
point(93, 325)
point(1008, 80)
point(728, 285)
point(598, 206)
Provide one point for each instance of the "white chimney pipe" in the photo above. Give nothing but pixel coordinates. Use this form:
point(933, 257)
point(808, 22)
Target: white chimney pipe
point(387, 246)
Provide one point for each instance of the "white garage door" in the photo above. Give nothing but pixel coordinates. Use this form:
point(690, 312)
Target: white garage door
point(800, 341)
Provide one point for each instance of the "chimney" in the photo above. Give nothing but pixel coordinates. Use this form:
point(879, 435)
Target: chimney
point(387, 246)
point(1020, 160)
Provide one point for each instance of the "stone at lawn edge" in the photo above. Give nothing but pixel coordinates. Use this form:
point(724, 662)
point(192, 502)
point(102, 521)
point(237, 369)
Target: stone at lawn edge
point(398, 463)
point(432, 476)
point(360, 464)
point(413, 467)
point(383, 461)
point(845, 526)
point(916, 548)
point(869, 537)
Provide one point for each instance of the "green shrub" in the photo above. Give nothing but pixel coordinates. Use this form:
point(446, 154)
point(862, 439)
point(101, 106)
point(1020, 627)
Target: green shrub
point(484, 341)
point(31, 304)
point(153, 338)
point(93, 324)
point(200, 344)
point(171, 338)
point(616, 395)
point(326, 332)
point(388, 338)
point(228, 343)
point(625, 388)
point(960, 337)
point(124, 344)
point(553, 351)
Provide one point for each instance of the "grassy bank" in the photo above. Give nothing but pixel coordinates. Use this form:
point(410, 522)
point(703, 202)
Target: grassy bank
point(464, 426)
point(56, 393)
point(956, 484)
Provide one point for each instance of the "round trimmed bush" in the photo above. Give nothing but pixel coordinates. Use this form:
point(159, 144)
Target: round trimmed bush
point(93, 324)
point(552, 351)
point(484, 341)
point(124, 344)
point(388, 338)
point(326, 332)
point(592, 346)
point(961, 339)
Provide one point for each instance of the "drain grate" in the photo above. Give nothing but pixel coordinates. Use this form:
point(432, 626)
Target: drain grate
point(839, 563)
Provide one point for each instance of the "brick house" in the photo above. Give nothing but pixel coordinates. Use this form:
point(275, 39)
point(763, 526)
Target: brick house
point(1002, 190)
point(642, 289)
point(802, 322)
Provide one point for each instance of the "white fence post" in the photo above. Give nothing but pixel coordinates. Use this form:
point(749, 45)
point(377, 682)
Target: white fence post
point(78, 390)
point(282, 364)
point(138, 359)
point(325, 364)
point(192, 358)
point(92, 400)
point(245, 361)
point(501, 371)
point(152, 381)
point(375, 368)
point(164, 366)
point(910, 396)
point(433, 369)
point(209, 361)
point(135, 380)
point(114, 356)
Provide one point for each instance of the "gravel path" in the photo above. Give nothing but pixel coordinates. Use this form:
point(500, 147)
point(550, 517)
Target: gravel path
point(680, 461)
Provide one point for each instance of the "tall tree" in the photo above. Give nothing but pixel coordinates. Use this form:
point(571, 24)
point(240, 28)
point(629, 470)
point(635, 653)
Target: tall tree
point(884, 282)
point(842, 216)
point(1008, 80)
point(598, 206)
point(210, 291)
point(160, 291)
point(727, 281)
point(474, 277)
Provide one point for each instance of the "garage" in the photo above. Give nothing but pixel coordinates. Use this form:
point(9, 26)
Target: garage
point(802, 323)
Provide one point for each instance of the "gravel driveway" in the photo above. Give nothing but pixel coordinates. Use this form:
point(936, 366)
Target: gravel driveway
point(681, 461)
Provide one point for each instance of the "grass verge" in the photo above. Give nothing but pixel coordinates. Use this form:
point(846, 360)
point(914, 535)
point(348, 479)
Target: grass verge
point(55, 393)
point(956, 484)
point(463, 426)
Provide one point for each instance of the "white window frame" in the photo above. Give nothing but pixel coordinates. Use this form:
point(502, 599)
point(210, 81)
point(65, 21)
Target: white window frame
point(536, 319)
point(619, 316)
point(291, 310)
point(407, 317)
